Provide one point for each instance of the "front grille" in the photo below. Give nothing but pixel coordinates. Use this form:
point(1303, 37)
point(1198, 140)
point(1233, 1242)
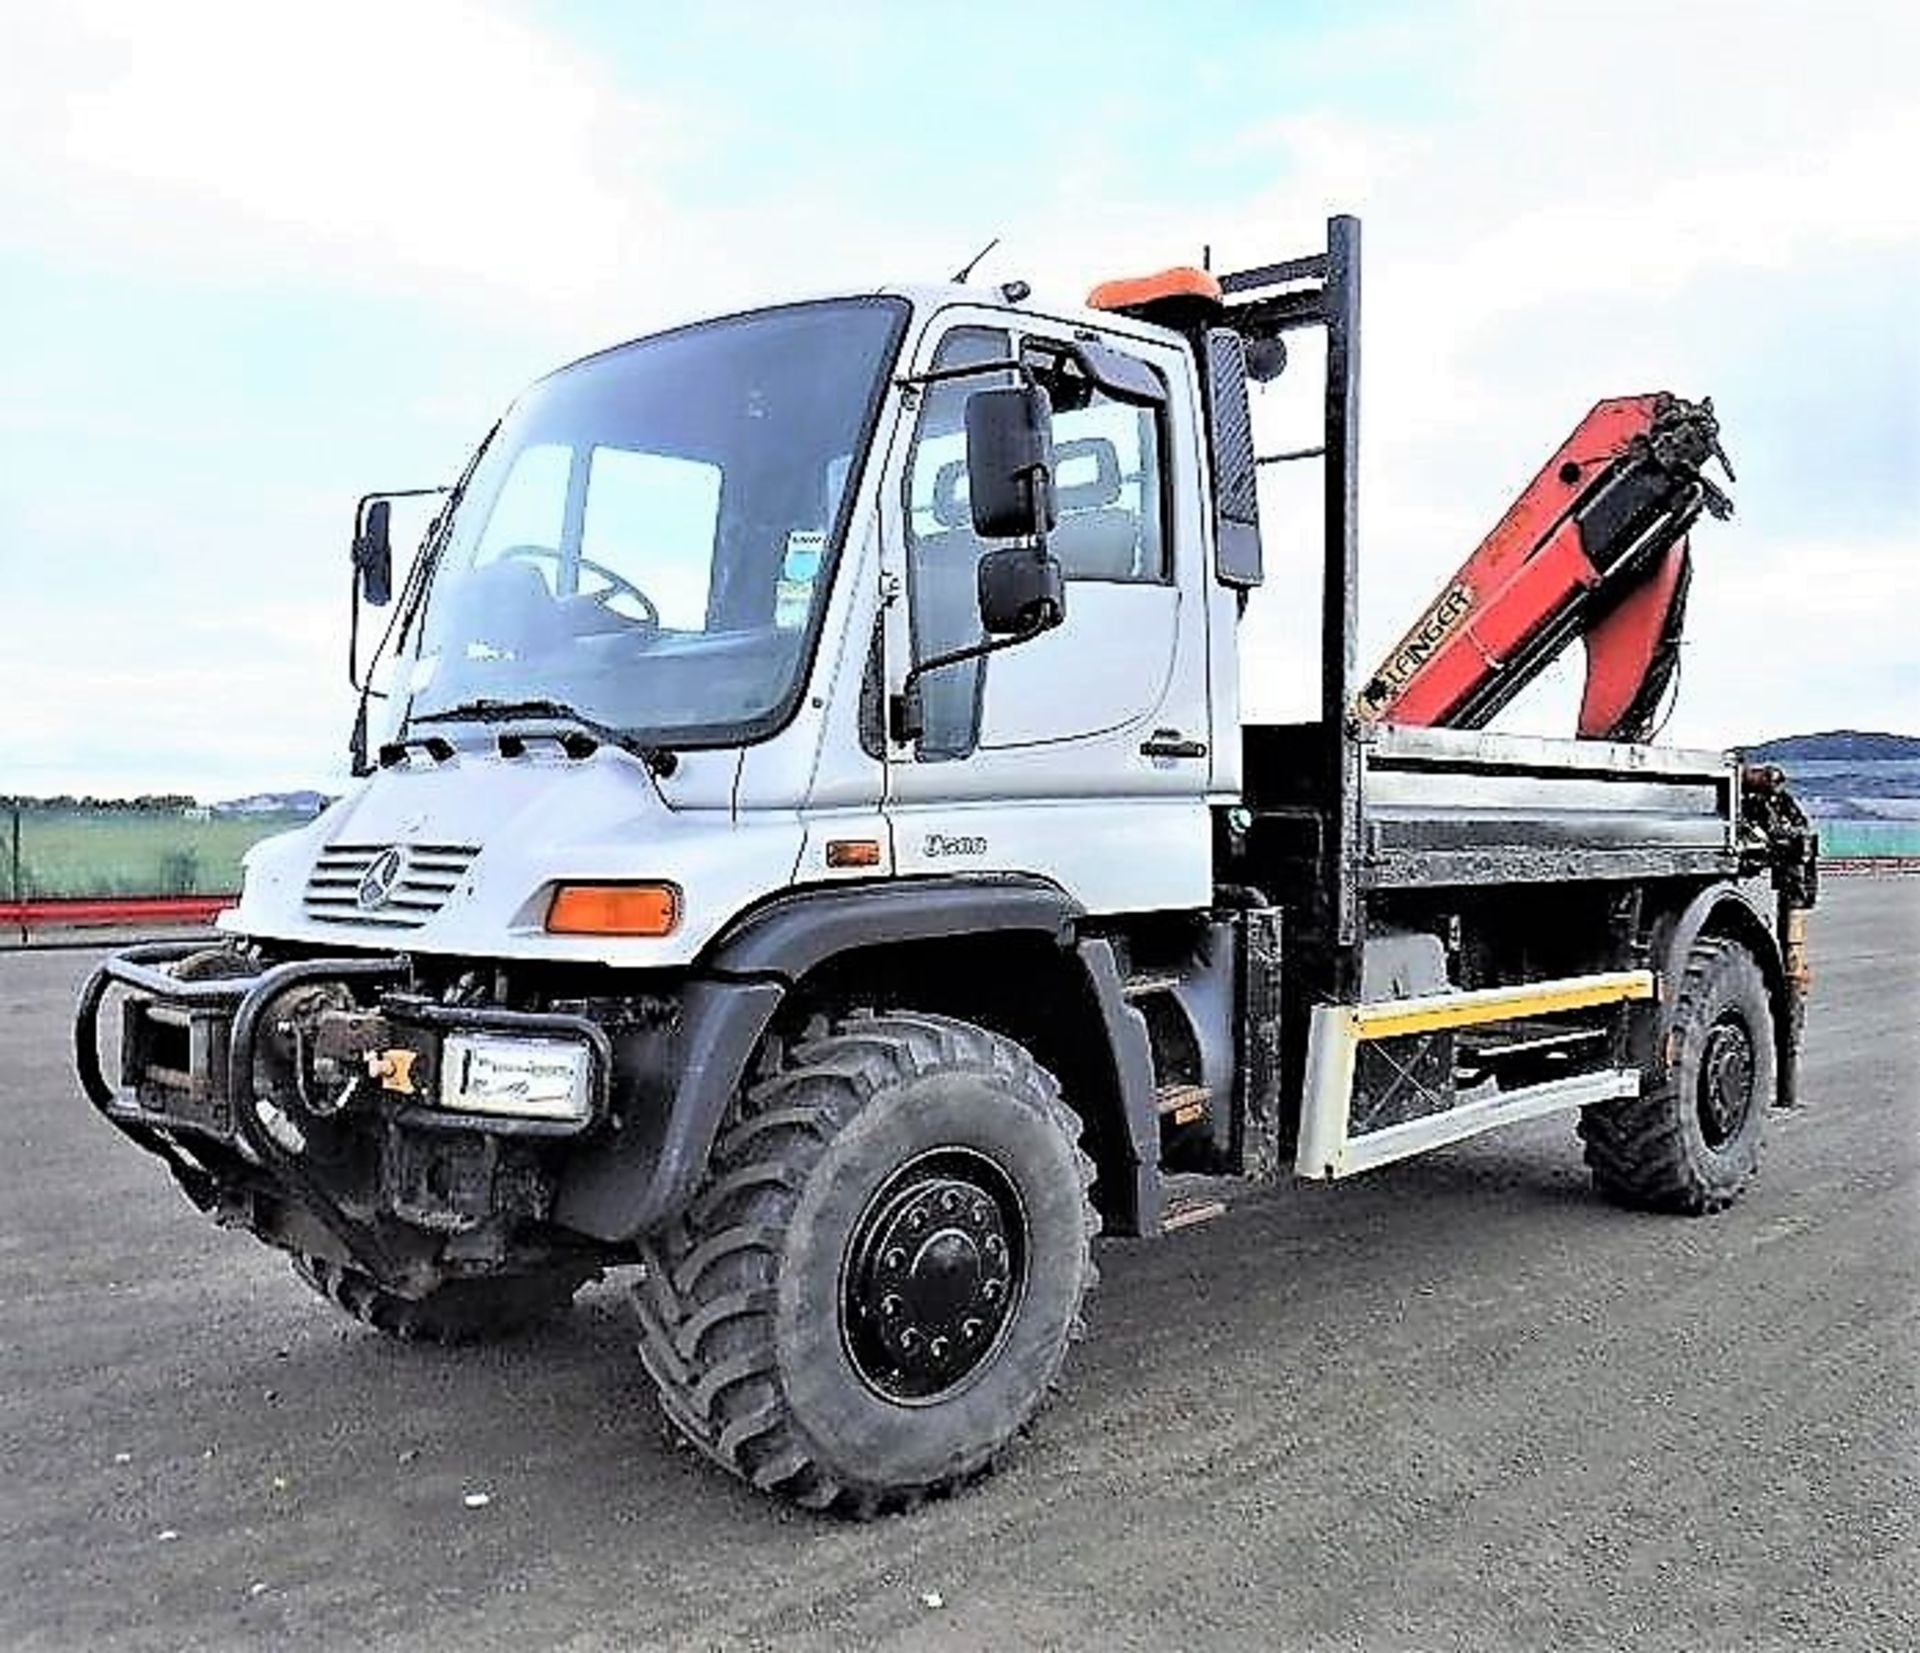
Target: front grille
point(428, 874)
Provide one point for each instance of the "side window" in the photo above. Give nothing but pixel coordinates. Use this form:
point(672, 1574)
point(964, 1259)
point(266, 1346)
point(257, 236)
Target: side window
point(943, 553)
point(1107, 480)
point(1109, 486)
point(651, 518)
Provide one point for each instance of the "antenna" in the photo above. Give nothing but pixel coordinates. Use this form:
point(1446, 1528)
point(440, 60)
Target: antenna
point(967, 268)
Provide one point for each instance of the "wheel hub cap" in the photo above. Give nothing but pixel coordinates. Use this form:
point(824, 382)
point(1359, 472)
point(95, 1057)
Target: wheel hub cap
point(933, 1272)
point(1726, 1082)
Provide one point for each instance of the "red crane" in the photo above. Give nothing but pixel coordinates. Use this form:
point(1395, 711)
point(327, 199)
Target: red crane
point(1596, 548)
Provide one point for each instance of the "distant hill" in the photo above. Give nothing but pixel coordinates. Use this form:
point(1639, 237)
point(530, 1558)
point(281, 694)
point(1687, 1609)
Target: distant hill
point(1863, 787)
point(1839, 746)
point(275, 803)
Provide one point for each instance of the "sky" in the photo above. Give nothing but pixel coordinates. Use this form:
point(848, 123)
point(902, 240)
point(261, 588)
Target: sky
point(255, 261)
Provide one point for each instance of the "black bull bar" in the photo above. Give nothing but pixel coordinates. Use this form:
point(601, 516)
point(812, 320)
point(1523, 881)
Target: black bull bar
point(142, 969)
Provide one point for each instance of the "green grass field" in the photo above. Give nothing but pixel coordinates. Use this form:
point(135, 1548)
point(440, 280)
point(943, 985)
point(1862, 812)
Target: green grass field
point(99, 852)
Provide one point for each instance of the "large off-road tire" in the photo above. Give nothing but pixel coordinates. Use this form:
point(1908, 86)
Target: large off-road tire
point(1691, 1142)
point(874, 1290)
point(459, 1312)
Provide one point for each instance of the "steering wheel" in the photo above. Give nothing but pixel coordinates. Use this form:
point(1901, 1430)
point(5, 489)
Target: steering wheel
point(617, 584)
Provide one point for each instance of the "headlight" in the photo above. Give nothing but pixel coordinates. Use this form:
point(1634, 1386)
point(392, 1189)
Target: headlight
point(524, 1078)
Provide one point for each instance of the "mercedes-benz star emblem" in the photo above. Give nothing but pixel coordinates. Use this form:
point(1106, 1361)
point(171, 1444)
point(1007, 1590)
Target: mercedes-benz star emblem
point(377, 882)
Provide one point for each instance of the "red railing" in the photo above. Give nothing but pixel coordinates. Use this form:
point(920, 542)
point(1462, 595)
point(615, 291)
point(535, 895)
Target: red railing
point(64, 912)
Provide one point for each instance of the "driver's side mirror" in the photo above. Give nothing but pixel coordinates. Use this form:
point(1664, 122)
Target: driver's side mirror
point(1010, 493)
point(373, 553)
point(1022, 591)
point(1010, 462)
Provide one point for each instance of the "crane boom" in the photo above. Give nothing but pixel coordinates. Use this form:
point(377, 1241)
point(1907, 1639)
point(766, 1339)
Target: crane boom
point(1595, 547)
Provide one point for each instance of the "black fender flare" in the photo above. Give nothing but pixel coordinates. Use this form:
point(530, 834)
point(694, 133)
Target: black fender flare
point(799, 930)
point(632, 1183)
point(1729, 909)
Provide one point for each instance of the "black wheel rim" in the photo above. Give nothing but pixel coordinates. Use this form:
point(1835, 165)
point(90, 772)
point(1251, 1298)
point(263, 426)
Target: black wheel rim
point(1726, 1081)
point(933, 1276)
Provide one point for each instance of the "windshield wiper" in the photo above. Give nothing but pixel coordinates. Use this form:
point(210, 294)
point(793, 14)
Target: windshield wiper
point(486, 710)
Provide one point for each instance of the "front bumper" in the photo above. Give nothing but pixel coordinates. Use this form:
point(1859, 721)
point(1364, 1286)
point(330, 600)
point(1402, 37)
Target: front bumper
point(409, 1186)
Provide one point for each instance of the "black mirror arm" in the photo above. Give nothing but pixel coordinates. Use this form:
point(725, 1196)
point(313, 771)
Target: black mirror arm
point(966, 370)
point(365, 500)
point(1124, 378)
point(353, 628)
point(357, 742)
point(903, 709)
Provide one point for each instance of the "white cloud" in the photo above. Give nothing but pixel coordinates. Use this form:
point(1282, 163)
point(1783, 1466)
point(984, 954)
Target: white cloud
point(439, 146)
point(1811, 633)
point(129, 701)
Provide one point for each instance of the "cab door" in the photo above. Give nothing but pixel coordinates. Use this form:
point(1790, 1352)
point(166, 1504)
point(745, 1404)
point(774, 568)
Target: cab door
point(1080, 755)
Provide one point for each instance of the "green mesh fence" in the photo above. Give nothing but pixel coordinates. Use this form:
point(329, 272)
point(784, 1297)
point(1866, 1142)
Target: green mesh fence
point(1859, 840)
point(109, 852)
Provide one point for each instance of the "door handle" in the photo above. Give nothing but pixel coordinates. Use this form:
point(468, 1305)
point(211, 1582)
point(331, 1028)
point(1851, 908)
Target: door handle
point(1170, 743)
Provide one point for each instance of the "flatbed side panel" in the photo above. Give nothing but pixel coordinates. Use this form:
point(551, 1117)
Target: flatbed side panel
point(1517, 864)
point(1458, 747)
point(1277, 758)
point(1443, 807)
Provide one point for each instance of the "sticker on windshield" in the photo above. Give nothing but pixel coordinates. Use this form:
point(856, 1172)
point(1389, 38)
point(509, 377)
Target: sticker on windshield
point(799, 568)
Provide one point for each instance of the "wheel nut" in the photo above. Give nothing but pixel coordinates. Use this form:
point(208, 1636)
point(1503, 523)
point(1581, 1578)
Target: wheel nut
point(969, 1329)
point(910, 1339)
point(895, 1259)
point(991, 1289)
point(995, 1245)
point(890, 1305)
point(980, 1215)
point(949, 1201)
point(916, 1218)
point(938, 1348)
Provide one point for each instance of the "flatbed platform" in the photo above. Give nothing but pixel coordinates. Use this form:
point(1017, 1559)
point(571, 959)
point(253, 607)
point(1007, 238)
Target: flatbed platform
point(1447, 807)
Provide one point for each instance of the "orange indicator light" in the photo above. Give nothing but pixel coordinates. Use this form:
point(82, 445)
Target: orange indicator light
point(614, 910)
point(853, 852)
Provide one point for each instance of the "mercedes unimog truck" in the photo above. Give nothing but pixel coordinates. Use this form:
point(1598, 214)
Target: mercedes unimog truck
point(812, 852)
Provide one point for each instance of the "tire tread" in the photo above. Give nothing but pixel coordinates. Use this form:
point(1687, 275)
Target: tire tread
point(1636, 1149)
point(706, 1302)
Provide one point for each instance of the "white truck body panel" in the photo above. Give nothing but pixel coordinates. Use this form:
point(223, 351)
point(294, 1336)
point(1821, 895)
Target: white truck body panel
point(533, 821)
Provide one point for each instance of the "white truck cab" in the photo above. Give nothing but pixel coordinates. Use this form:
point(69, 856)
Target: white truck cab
point(721, 543)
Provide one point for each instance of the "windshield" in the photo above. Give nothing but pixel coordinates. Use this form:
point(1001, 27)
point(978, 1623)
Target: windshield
point(649, 539)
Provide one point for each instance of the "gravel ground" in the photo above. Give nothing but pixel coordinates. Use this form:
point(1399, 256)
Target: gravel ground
point(1457, 1404)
